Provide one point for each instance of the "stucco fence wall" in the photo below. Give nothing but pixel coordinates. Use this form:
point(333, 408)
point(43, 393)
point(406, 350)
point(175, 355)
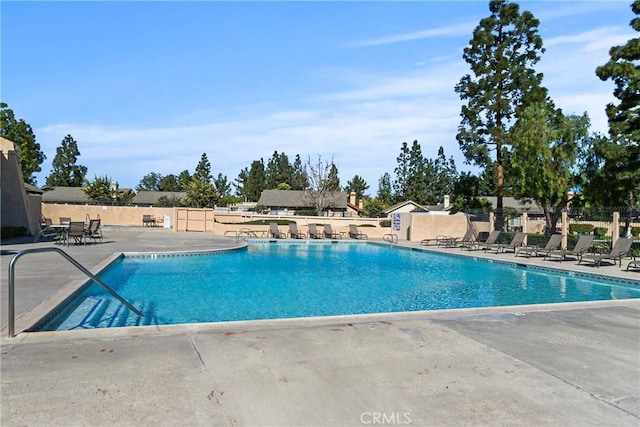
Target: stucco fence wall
point(109, 215)
point(420, 226)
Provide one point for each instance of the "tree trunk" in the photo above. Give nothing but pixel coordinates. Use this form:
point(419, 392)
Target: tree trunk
point(499, 223)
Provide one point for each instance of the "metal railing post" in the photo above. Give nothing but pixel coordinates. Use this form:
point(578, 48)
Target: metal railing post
point(12, 276)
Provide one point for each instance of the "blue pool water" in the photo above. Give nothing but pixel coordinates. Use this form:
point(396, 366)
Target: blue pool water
point(269, 281)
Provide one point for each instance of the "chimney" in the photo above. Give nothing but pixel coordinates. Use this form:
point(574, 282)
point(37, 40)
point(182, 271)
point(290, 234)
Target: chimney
point(352, 198)
point(360, 204)
point(445, 204)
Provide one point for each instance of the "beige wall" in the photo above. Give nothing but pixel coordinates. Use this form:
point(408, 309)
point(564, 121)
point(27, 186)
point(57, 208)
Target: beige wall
point(416, 226)
point(425, 226)
point(110, 215)
point(17, 208)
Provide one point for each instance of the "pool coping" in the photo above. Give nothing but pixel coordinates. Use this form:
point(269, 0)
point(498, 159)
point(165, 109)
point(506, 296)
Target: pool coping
point(314, 322)
point(36, 318)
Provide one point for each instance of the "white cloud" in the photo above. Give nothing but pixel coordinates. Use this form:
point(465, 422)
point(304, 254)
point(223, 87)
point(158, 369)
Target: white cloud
point(446, 31)
point(361, 126)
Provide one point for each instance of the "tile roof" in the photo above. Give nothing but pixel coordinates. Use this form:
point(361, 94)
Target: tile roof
point(152, 197)
point(299, 199)
point(64, 195)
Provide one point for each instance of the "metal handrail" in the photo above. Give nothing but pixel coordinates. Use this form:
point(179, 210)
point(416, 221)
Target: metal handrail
point(75, 263)
point(391, 238)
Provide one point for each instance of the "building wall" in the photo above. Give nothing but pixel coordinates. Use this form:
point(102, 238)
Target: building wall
point(17, 209)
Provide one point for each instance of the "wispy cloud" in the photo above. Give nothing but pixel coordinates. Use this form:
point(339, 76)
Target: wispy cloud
point(446, 31)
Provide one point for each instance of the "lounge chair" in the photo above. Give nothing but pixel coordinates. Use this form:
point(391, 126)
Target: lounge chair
point(620, 250)
point(553, 244)
point(490, 242)
point(313, 232)
point(635, 264)
point(582, 246)
point(46, 230)
point(77, 232)
point(275, 232)
point(355, 234)
point(94, 232)
point(294, 233)
point(439, 241)
point(330, 234)
point(467, 241)
point(515, 245)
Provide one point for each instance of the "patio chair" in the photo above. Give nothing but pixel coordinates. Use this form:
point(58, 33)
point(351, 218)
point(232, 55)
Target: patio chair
point(553, 244)
point(515, 245)
point(620, 250)
point(355, 234)
point(275, 232)
point(77, 232)
point(313, 232)
point(64, 220)
point(294, 233)
point(635, 264)
point(439, 241)
point(46, 230)
point(490, 242)
point(330, 234)
point(467, 241)
point(94, 232)
point(582, 246)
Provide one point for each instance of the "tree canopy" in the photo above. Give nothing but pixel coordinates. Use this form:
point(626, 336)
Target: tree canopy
point(20, 132)
point(65, 172)
point(615, 162)
point(504, 48)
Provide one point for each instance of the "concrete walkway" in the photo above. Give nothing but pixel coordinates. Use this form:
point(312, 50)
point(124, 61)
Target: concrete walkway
point(563, 364)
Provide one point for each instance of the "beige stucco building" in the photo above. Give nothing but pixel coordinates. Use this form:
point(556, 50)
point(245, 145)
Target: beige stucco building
point(20, 203)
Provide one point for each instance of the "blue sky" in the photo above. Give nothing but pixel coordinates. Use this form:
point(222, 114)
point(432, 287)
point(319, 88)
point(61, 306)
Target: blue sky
point(149, 86)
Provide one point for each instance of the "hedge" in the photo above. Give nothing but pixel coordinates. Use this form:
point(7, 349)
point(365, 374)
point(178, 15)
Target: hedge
point(581, 228)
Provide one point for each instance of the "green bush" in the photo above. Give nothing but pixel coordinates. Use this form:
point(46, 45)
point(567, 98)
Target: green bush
point(635, 231)
point(535, 239)
point(600, 231)
point(306, 212)
point(581, 228)
point(9, 232)
point(505, 237)
point(572, 239)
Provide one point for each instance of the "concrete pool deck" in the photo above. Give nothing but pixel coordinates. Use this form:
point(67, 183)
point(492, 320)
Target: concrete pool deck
point(562, 364)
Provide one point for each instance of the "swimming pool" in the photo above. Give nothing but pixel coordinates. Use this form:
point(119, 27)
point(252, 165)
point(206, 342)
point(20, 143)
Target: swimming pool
point(280, 280)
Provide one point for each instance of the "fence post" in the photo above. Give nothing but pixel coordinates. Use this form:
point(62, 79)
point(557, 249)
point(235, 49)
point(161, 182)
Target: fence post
point(616, 228)
point(491, 221)
point(565, 229)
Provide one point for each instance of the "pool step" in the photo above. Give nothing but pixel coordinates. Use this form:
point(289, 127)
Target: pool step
point(95, 312)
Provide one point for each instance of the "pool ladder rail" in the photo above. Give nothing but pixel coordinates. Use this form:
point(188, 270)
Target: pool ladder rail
point(391, 238)
point(75, 263)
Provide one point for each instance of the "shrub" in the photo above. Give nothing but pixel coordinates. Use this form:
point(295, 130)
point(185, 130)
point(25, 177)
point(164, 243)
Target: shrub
point(535, 239)
point(9, 232)
point(306, 212)
point(572, 239)
point(600, 231)
point(635, 231)
point(581, 228)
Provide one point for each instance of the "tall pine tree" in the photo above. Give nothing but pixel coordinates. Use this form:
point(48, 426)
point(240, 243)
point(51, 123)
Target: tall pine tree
point(504, 48)
point(65, 172)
